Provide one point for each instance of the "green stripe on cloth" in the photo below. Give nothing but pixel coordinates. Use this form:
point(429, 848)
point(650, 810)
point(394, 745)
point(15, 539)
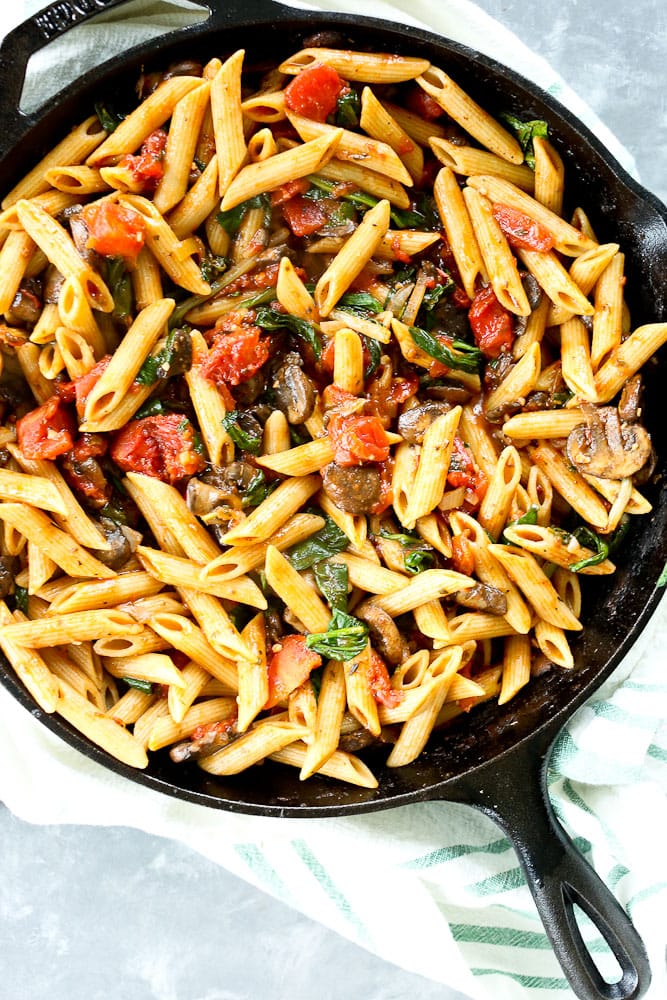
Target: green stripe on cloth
point(532, 982)
point(641, 686)
point(265, 872)
point(507, 937)
point(502, 882)
point(657, 753)
point(316, 868)
point(662, 580)
point(616, 874)
point(639, 897)
point(607, 710)
point(457, 851)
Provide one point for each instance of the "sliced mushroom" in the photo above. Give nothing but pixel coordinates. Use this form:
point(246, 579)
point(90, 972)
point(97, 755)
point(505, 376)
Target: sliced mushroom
point(413, 424)
point(483, 597)
point(384, 633)
point(26, 307)
point(53, 284)
point(455, 395)
point(355, 490)
point(214, 738)
point(8, 567)
point(123, 543)
point(607, 446)
point(202, 498)
point(630, 405)
point(534, 295)
point(294, 392)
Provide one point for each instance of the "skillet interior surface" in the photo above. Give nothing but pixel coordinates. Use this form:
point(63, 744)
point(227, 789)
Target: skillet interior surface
point(615, 608)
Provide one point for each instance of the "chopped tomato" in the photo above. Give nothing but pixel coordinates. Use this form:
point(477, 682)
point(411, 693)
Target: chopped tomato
point(314, 92)
point(383, 401)
point(422, 104)
point(148, 166)
point(463, 556)
point(86, 477)
point(211, 729)
point(334, 397)
point(80, 388)
point(255, 280)
point(236, 356)
point(89, 446)
point(461, 299)
point(521, 231)
point(386, 470)
point(397, 250)
point(47, 431)
point(303, 215)
point(114, 230)
point(289, 190)
point(289, 666)
point(161, 446)
point(357, 439)
point(464, 472)
point(491, 323)
point(380, 685)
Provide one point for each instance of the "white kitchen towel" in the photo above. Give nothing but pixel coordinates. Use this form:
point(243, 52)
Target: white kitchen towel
point(466, 916)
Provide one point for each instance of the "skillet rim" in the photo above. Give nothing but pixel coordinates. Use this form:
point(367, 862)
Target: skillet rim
point(541, 736)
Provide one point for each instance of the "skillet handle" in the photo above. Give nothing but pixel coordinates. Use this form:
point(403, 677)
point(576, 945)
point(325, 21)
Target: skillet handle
point(515, 796)
point(53, 21)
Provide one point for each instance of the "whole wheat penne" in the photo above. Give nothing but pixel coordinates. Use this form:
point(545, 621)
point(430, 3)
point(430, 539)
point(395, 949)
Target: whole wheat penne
point(75, 627)
point(350, 260)
point(366, 67)
point(297, 594)
point(166, 730)
point(524, 570)
point(61, 547)
point(340, 765)
point(253, 746)
point(468, 160)
point(89, 595)
point(570, 484)
point(34, 490)
point(516, 666)
point(157, 668)
point(186, 573)
point(29, 665)
point(273, 512)
point(184, 635)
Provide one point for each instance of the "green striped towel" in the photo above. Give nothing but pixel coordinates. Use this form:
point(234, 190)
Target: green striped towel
point(435, 887)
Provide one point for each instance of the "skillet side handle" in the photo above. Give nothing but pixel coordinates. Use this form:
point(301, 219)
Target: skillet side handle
point(515, 796)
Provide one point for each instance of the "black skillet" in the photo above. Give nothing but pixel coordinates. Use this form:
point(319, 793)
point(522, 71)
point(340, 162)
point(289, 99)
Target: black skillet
point(496, 759)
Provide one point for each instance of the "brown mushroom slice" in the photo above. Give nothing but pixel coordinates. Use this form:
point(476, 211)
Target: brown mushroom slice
point(294, 392)
point(607, 446)
point(384, 633)
point(483, 597)
point(356, 490)
point(630, 405)
point(413, 423)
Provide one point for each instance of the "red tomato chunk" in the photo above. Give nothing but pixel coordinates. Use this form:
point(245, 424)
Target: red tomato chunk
point(162, 447)
point(289, 667)
point(314, 92)
point(114, 230)
point(422, 104)
point(357, 439)
point(491, 323)
point(47, 431)
point(80, 388)
point(148, 166)
point(303, 215)
point(521, 231)
point(378, 678)
point(236, 356)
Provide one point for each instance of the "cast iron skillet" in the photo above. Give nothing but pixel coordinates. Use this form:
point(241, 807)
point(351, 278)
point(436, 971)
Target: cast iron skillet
point(496, 759)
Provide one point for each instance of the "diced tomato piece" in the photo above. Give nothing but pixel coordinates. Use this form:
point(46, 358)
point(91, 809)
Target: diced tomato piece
point(380, 685)
point(289, 190)
point(160, 446)
point(386, 470)
point(255, 280)
point(357, 439)
point(289, 667)
point(422, 104)
point(314, 92)
point(463, 556)
point(397, 250)
point(461, 299)
point(303, 215)
point(86, 477)
point(334, 397)
point(464, 472)
point(210, 729)
point(114, 230)
point(383, 401)
point(491, 323)
point(148, 166)
point(89, 446)
point(80, 388)
point(236, 356)
point(46, 432)
point(521, 231)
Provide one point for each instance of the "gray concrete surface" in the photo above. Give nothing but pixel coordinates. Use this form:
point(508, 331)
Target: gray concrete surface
point(100, 914)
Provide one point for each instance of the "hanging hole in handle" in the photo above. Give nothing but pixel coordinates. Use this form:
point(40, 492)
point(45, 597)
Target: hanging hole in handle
point(78, 50)
point(597, 943)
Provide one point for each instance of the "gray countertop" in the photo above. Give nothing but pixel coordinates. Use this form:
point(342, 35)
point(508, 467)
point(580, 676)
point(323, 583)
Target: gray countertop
point(93, 914)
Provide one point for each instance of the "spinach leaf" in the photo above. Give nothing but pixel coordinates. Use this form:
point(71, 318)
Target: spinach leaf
point(231, 219)
point(120, 286)
point(618, 537)
point(466, 358)
point(109, 119)
point(360, 303)
point(348, 109)
point(270, 319)
point(21, 599)
point(328, 541)
point(212, 266)
point(375, 351)
point(418, 560)
point(332, 579)
point(156, 366)
point(245, 439)
point(525, 132)
point(433, 295)
point(530, 517)
point(260, 299)
point(134, 682)
point(258, 490)
point(590, 540)
point(345, 638)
